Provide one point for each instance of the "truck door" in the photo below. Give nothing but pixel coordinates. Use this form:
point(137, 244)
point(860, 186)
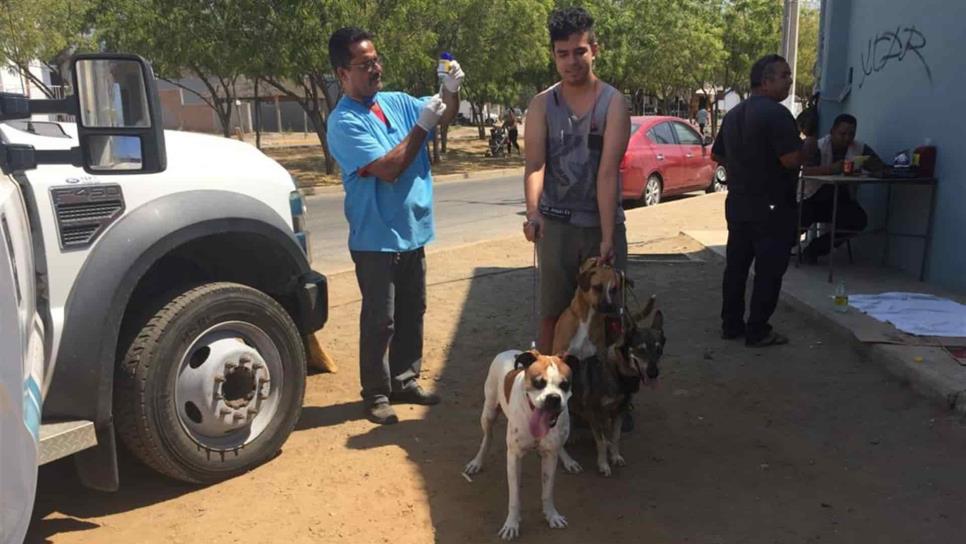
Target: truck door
point(21, 366)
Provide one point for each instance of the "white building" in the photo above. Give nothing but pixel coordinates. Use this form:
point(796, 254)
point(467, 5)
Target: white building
point(12, 81)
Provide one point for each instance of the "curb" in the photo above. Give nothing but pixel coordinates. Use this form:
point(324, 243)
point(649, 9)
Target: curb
point(898, 360)
point(495, 173)
point(447, 178)
point(894, 358)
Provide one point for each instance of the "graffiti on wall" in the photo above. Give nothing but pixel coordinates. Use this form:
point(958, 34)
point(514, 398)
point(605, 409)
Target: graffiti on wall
point(891, 47)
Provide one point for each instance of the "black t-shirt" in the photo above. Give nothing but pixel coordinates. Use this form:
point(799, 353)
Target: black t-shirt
point(753, 137)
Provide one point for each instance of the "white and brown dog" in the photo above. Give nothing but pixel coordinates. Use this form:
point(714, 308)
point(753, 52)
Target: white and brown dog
point(532, 390)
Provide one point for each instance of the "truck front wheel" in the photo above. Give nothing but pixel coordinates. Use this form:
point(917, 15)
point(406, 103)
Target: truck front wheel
point(212, 385)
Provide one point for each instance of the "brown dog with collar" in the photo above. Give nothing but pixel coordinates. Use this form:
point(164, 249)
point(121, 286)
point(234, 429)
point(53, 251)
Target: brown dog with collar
point(581, 332)
point(580, 329)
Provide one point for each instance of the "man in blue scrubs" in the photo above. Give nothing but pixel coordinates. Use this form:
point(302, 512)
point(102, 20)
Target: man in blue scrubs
point(379, 140)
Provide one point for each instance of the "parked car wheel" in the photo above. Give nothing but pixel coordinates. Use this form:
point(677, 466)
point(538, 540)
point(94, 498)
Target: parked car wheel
point(652, 191)
point(212, 385)
point(718, 181)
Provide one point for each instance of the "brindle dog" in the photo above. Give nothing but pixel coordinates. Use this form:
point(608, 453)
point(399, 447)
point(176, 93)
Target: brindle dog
point(602, 390)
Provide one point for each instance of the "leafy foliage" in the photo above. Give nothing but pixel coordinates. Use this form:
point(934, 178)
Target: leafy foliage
point(49, 31)
point(807, 52)
point(660, 48)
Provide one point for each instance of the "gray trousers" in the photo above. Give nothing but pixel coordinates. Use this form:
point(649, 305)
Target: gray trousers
point(562, 249)
point(393, 287)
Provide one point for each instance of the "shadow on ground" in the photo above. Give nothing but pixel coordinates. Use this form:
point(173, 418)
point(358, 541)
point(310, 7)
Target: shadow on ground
point(800, 443)
point(796, 444)
point(63, 493)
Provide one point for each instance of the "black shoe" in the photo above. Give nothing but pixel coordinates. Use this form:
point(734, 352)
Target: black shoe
point(731, 335)
point(627, 422)
point(380, 412)
point(771, 339)
point(414, 394)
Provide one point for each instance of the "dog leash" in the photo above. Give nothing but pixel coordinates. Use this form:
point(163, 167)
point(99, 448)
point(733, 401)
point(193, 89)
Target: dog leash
point(533, 299)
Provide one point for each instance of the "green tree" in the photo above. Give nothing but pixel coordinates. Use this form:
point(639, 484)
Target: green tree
point(662, 48)
point(502, 46)
point(690, 49)
point(807, 53)
point(292, 49)
point(199, 38)
point(292, 55)
point(752, 29)
point(48, 31)
point(625, 36)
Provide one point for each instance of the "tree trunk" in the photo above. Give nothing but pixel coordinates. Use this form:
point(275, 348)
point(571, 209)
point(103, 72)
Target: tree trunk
point(318, 124)
point(31, 78)
point(221, 103)
point(258, 117)
point(444, 136)
point(714, 116)
point(312, 108)
point(435, 154)
point(474, 115)
point(481, 126)
point(223, 110)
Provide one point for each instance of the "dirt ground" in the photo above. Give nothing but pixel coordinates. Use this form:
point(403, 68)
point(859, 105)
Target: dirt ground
point(301, 155)
point(807, 442)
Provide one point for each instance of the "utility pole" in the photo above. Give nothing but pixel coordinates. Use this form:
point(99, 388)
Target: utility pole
point(789, 46)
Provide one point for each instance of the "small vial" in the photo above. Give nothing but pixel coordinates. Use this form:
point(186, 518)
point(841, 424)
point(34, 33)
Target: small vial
point(442, 68)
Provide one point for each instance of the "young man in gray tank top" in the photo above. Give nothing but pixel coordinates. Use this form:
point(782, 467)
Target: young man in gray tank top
point(576, 134)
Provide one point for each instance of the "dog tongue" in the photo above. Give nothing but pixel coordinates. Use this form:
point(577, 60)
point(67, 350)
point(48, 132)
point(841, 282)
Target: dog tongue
point(540, 422)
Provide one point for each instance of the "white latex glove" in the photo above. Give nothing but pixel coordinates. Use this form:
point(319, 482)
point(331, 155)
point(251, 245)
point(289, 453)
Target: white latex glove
point(432, 111)
point(454, 78)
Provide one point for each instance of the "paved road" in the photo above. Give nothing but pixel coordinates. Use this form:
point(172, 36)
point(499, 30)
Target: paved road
point(466, 212)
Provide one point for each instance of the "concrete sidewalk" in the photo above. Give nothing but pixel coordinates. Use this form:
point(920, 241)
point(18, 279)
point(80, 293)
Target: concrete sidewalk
point(931, 370)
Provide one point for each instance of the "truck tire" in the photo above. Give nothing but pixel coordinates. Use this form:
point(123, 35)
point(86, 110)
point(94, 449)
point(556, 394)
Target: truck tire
point(212, 385)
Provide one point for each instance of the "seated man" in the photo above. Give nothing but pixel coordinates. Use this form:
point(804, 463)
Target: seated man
point(827, 159)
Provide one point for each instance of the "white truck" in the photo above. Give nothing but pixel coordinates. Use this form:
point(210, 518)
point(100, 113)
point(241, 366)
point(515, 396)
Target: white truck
point(155, 288)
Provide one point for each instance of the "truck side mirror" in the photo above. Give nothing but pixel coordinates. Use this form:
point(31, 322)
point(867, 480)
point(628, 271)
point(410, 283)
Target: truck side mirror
point(708, 140)
point(119, 121)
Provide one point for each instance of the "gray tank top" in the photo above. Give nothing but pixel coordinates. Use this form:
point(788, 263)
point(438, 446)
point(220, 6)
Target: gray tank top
point(574, 147)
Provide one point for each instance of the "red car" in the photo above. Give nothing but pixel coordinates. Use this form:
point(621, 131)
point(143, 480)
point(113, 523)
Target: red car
point(666, 156)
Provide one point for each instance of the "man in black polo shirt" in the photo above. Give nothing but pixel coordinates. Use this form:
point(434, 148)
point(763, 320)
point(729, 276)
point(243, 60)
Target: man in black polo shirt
point(760, 146)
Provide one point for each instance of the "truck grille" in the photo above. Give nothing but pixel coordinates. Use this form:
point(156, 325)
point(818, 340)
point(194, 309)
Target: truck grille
point(83, 213)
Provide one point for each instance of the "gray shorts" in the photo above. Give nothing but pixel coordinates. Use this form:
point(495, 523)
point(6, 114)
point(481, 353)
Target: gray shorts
point(561, 250)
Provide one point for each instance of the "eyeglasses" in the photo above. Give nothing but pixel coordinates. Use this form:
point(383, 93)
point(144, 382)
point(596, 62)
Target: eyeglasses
point(370, 64)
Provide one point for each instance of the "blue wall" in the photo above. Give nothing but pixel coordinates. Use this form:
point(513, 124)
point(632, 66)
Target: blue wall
point(903, 65)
